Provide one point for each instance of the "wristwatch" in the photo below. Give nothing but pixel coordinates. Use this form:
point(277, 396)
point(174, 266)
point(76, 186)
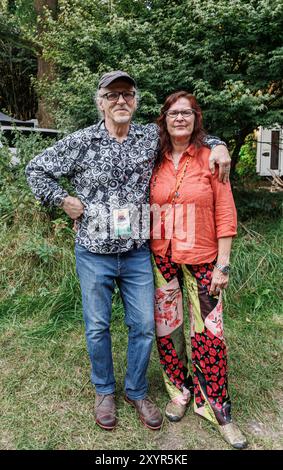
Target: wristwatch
point(59, 200)
point(225, 269)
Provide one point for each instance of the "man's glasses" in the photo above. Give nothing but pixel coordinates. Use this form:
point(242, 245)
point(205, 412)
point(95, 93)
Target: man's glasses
point(115, 95)
point(186, 113)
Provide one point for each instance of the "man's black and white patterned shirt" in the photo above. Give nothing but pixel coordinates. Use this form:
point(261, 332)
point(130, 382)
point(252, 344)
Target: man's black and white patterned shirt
point(105, 175)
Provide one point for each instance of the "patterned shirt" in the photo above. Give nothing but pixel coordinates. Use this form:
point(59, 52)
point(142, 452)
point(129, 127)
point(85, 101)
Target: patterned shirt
point(106, 175)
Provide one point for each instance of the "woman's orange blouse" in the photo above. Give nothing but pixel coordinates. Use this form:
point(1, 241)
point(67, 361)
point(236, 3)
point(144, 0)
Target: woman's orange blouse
point(203, 210)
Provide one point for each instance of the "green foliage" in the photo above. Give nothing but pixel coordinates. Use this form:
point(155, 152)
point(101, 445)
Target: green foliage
point(15, 195)
point(38, 249)
point(74, 98)
point(61, 227)
point(246, 167)
point(258, 203)
point(6, 207)
point(17, 64)
point(228, 53)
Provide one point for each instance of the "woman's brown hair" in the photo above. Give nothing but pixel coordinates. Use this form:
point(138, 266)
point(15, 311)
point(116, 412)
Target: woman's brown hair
point(198, 132)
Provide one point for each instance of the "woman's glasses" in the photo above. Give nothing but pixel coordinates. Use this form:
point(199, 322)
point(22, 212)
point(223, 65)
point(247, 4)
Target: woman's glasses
point(186, 113)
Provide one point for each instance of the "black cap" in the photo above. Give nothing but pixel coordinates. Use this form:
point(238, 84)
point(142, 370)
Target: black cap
point(110, 77)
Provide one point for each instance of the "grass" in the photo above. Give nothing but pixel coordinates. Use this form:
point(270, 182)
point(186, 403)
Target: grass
point(47, 399)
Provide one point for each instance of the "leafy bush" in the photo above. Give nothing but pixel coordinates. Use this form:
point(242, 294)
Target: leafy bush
point(260, 204)
point(13, 183)
point(6, 206)
point(246, 167)
point(16, 198)
point(39, 250)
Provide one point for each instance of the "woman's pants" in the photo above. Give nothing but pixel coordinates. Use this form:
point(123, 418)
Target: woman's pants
point(208, 383)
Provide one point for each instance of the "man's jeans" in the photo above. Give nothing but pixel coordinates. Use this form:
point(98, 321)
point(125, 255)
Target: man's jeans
point(132, 272)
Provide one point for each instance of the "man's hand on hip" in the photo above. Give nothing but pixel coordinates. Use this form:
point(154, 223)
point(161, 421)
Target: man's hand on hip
point(220, 155)
point(73, 207)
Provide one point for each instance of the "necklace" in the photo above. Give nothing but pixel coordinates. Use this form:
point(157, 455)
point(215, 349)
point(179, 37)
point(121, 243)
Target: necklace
point(178, 184)
point(177, 194)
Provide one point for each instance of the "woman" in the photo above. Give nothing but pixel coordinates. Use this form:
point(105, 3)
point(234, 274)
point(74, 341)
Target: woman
point(193, 222)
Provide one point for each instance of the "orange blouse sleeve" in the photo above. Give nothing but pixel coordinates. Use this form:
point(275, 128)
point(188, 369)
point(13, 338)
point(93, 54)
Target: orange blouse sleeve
point(225, 212)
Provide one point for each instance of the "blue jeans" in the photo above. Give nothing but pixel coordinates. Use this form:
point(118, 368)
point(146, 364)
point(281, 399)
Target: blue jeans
point(132, 272)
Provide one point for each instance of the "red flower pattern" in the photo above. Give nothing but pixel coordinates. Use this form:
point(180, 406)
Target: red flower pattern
point(208, 352)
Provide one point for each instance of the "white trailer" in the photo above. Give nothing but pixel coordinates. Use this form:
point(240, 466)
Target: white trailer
point(269, 155)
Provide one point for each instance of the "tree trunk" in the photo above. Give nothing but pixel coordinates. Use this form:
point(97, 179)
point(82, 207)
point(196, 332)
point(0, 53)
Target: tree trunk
point(45, 70)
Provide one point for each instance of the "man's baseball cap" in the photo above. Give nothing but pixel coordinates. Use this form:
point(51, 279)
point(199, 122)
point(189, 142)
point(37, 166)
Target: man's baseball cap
point(110, 77)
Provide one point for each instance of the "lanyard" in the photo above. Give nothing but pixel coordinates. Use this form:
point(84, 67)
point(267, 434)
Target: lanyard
point(176, 192)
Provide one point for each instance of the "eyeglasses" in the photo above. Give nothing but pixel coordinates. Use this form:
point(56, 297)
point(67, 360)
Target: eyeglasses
point(186, 113)
point(115, 95)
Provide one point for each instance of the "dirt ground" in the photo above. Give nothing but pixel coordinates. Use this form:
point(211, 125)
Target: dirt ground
point(192, 432)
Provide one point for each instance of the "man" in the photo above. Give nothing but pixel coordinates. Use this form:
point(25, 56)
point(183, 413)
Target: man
point(110, 165)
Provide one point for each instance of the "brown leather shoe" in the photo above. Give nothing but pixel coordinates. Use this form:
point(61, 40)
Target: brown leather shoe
point(105, 411)
point(148, 412)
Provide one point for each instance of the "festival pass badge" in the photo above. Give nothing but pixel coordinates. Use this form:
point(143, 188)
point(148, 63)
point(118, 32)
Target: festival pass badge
point(121, 220)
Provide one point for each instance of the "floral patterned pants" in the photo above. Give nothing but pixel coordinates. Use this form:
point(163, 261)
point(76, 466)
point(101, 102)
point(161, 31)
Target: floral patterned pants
point(208, 383)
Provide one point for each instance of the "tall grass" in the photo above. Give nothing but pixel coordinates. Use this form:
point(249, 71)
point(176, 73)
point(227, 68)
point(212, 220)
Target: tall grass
point(44, 363)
